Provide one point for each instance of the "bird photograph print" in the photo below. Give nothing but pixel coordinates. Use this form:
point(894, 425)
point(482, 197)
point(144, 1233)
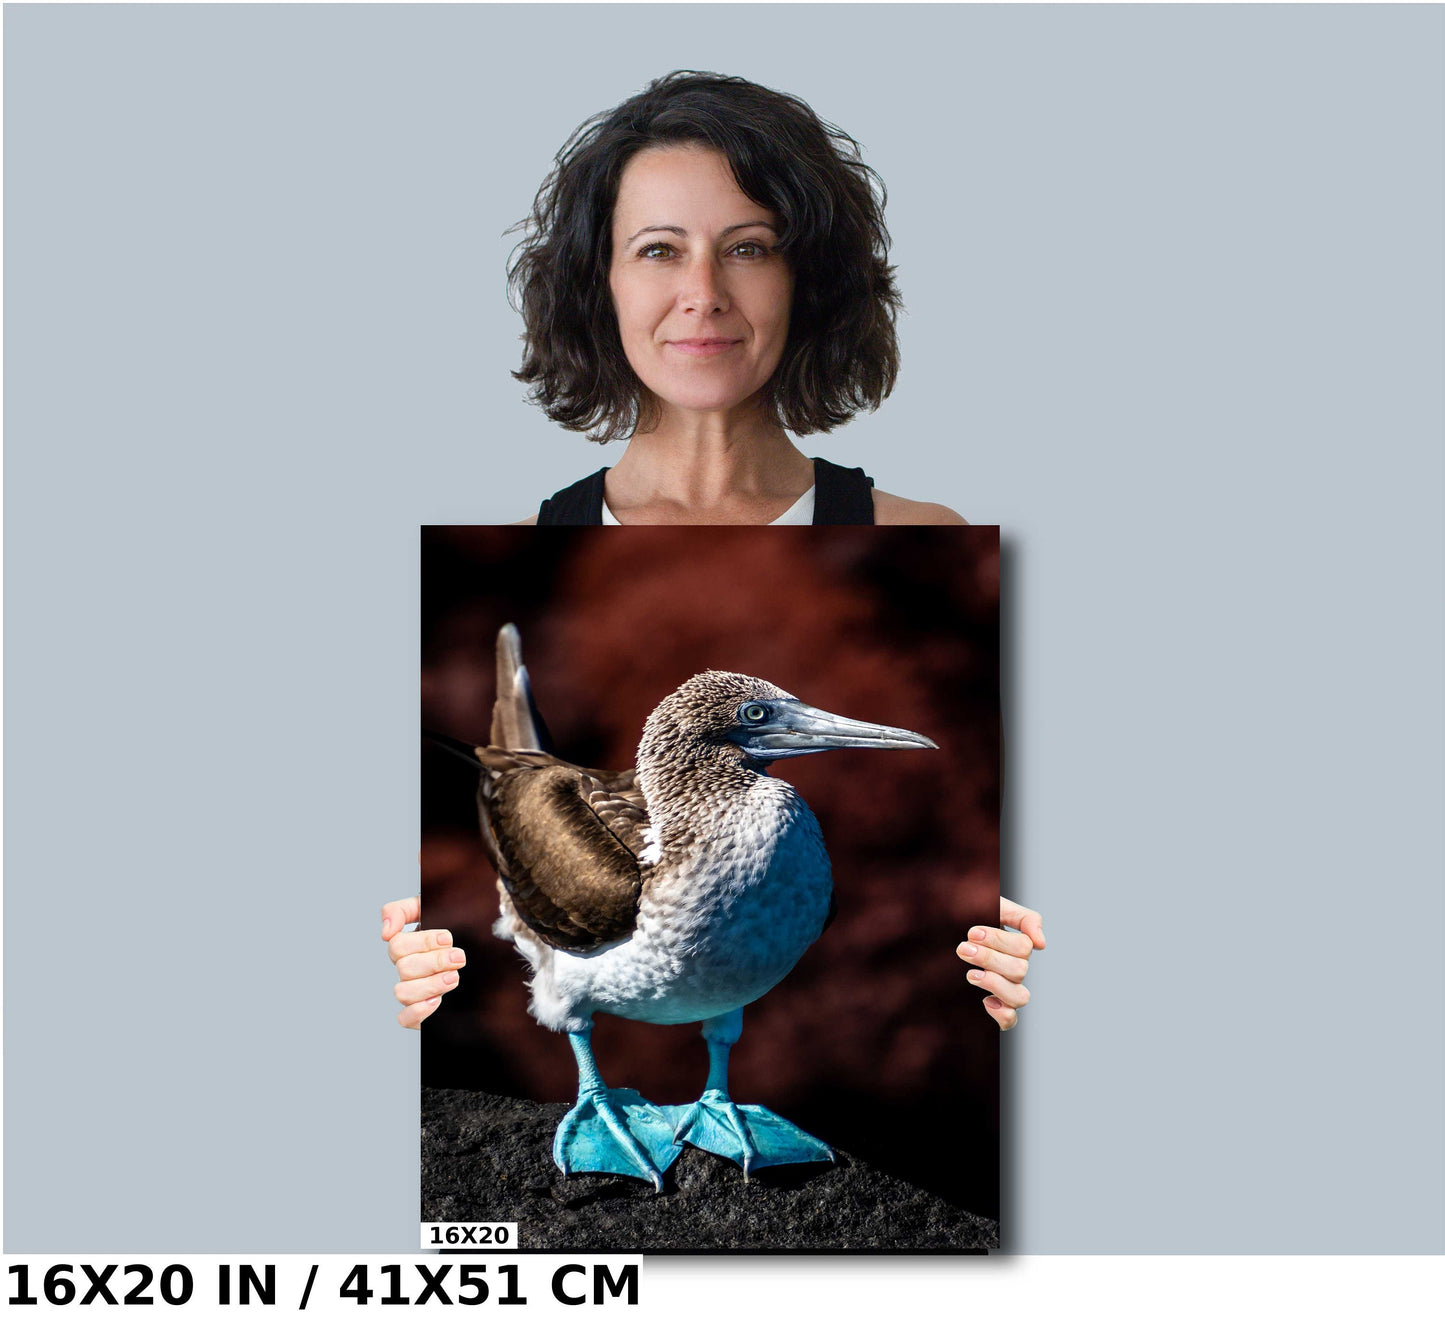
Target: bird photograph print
point(708, 997)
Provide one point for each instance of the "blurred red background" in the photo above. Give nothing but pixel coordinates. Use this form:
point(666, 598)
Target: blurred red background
point(875, 1040)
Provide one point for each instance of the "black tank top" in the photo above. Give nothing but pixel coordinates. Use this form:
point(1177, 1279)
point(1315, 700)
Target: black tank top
point(842, 497)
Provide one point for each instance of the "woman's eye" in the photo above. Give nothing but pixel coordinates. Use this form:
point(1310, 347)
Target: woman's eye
point(750, 249)
point(655, 249)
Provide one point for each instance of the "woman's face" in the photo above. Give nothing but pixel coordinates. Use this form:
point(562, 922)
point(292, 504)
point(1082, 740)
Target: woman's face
point(701, 293)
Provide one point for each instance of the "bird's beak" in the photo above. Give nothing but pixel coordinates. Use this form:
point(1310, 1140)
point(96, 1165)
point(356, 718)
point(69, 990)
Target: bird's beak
point(797, 730)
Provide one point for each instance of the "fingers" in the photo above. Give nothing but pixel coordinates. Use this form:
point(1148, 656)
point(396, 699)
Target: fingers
point(426, 961)
point(424, 987)
point(417, 941)
point(413, 1015)
point(1010, 993)
point(427, 964)
point(1000, 961)
point(1024, 919)
point(991, 960)
point(399, 913)
point(429, 961)
point(1006, 1017)
point(1013, 942)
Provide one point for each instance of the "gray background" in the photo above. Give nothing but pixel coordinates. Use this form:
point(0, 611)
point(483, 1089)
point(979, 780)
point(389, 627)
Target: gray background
point(1174, 289)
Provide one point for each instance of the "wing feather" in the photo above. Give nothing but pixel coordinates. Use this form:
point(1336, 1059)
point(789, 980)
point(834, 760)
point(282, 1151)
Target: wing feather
point(566, 844)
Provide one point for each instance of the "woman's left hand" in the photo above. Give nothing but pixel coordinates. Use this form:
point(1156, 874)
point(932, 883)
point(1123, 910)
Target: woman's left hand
point(1001, 960)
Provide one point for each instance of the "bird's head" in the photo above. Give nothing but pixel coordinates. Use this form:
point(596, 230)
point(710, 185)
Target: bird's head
point(736, 717)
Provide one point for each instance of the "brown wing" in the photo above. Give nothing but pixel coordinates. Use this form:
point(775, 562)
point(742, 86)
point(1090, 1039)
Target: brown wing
point(565, 842)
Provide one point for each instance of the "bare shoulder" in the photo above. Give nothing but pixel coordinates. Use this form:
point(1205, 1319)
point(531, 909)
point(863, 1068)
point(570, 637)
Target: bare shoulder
point(525, 522)
point(895, 511)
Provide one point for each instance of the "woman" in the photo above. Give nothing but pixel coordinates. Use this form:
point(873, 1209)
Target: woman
point(704, 271)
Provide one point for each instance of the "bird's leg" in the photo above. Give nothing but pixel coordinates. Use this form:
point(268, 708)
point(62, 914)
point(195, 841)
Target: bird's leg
point(746, 1134)
point(611, 1131)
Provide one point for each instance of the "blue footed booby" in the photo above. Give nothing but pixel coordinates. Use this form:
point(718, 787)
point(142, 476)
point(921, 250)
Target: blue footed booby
point(680, 891)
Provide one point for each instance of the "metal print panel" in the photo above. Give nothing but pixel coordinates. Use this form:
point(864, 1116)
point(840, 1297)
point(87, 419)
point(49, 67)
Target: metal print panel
point(742, 793)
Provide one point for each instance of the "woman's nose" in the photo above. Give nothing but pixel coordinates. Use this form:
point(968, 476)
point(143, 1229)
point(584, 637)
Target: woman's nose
point(703, 290)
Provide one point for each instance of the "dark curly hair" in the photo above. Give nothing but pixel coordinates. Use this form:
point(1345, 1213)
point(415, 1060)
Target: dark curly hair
point(841, 354)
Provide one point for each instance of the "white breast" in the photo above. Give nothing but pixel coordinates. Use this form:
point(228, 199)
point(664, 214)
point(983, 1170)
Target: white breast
point(714, 931)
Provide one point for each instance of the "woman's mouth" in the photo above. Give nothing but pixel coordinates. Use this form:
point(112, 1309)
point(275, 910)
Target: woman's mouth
point(703, 347)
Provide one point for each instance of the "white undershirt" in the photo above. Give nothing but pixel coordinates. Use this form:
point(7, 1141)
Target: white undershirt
point(800, 513)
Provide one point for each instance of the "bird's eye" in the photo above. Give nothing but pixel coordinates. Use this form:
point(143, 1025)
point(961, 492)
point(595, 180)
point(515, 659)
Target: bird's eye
point(754, 713)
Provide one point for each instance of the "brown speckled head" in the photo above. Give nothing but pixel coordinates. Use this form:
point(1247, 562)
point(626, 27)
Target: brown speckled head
point(707, 709)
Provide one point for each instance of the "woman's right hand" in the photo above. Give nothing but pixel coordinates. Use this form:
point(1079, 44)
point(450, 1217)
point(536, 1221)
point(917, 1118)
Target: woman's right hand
point(426, 961)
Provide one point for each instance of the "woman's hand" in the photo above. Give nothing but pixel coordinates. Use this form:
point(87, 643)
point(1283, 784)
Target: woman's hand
point(1001, 960)
point(426, 962)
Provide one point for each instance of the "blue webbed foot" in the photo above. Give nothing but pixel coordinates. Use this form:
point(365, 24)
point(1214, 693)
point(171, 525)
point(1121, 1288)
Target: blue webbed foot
point(609, 1131)
point(748, 1135)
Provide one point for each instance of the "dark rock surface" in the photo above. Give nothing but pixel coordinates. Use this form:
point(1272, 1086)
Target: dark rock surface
point(487, 1158)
